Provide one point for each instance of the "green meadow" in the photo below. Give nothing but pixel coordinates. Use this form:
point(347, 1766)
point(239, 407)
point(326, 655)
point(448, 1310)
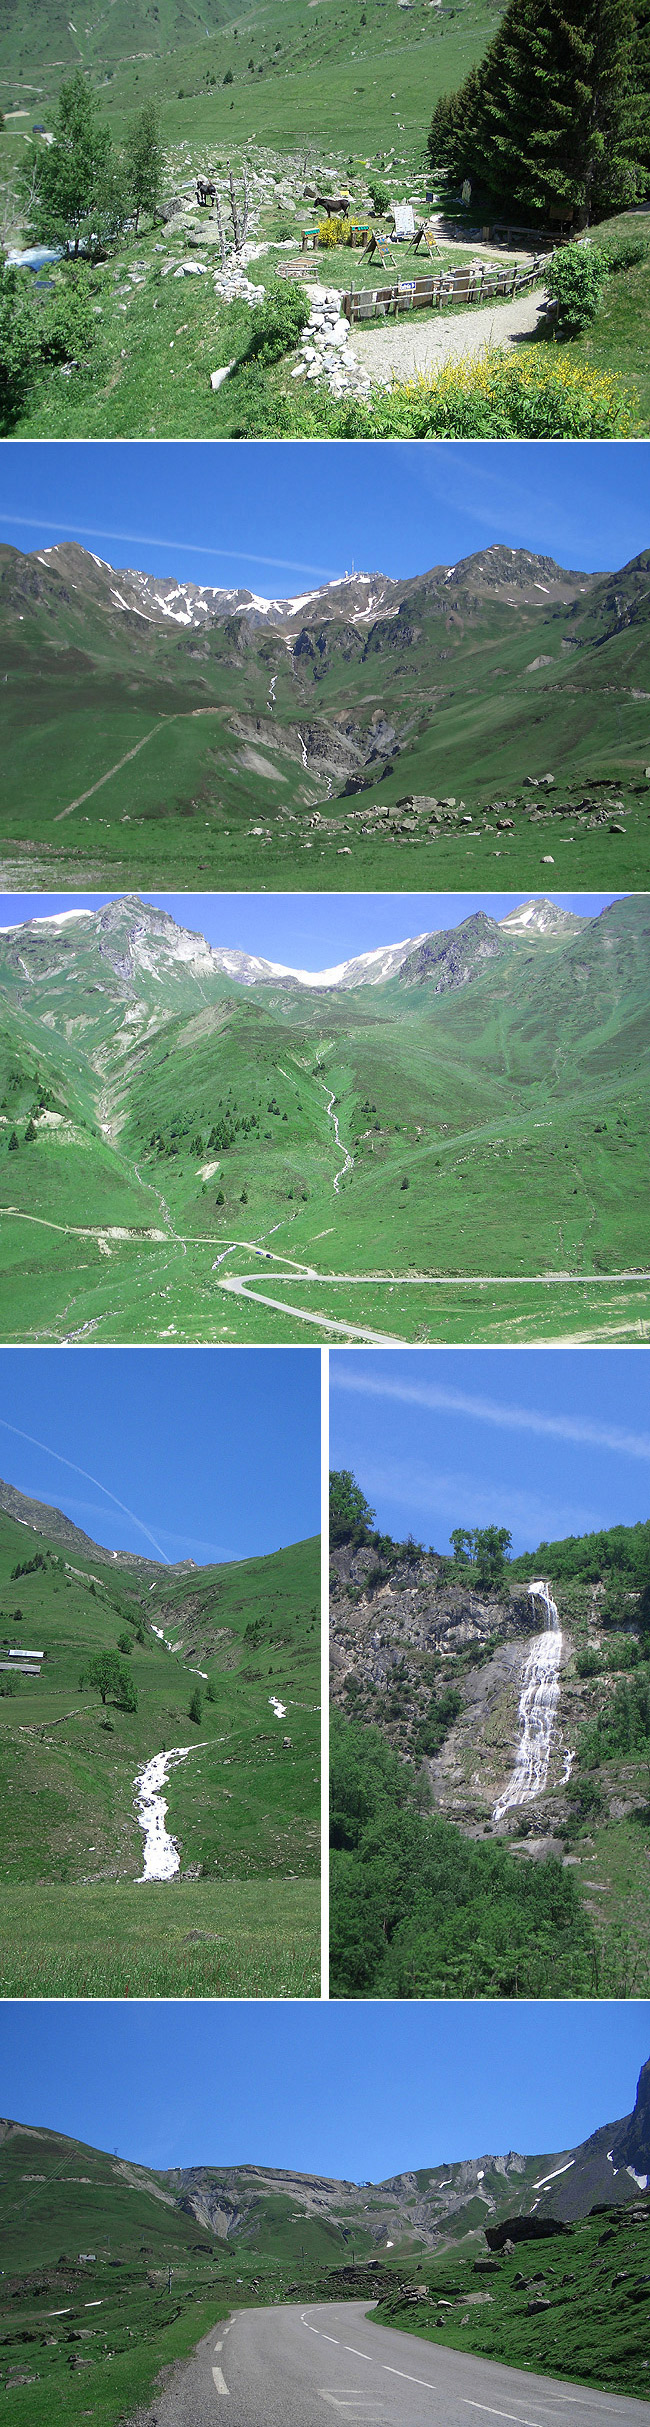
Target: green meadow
point(242, 1916)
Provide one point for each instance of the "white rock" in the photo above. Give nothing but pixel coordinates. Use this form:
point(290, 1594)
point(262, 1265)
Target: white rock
point(217, 377)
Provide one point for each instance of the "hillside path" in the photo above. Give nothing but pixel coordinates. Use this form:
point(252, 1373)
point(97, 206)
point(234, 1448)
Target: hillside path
point(402, 348)
point(292, 2367)
point(105, 779)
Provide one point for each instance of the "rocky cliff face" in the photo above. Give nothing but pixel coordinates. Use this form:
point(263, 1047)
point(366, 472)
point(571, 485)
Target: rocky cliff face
point(405, 1640)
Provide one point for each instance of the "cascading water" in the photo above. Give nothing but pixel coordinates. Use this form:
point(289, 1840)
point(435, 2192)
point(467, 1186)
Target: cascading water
point(537, 1707)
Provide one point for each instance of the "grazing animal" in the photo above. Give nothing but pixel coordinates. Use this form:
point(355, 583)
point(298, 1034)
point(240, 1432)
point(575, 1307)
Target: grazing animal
point(205, 190)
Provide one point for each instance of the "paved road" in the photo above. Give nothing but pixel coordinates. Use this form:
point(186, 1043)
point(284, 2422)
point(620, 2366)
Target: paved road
point(304, 2367)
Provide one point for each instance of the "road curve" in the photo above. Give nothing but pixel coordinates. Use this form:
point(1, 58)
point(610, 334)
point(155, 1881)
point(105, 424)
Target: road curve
point(239, 1289)
point(305, 2367)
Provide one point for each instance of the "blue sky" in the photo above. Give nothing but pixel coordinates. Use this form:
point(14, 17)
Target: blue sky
point(212, 1453)
point(306, 931)
point(279, 519)
point(548, 1442)
point(352, 2091)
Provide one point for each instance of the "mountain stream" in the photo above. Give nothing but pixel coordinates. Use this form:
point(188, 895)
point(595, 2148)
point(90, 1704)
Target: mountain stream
point(161, 1856)
point(349, 1159)
point(537, 1708)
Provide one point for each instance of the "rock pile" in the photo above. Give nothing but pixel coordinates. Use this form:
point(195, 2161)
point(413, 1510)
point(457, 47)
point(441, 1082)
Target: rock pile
point(325, 352)
point(234, 286)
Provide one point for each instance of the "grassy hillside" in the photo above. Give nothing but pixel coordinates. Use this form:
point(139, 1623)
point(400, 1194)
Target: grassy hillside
point(186, 1165)
point(592, 2288)
point(318, 77)
point(72, 1848)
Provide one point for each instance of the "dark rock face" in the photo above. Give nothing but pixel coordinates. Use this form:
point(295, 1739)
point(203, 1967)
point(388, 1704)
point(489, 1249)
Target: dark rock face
point(523, 2229)
point(631, 2142)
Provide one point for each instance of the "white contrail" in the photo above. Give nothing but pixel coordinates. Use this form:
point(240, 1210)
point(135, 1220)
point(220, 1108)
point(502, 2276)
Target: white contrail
point(82, 1470)
point(148, 539)
point(436, 1396)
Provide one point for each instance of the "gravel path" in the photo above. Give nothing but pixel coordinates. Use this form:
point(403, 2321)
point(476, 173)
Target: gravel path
point(401, 347)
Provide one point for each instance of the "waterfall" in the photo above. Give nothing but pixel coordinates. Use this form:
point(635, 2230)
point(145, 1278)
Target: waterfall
point(537, 1707)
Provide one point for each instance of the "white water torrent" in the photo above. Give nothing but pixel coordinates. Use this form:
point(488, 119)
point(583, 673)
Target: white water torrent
point(349, 1159)
point(537, 1707)
point(161, 1856)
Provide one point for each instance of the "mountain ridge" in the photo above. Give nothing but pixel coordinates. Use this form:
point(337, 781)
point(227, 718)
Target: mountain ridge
point(138, 922)
point(229, 2202)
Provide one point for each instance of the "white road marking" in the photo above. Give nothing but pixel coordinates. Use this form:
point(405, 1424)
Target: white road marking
point(357, 2355)
point(499, 2414)
point(220, 2381)
point(410, 2380)
point(217, 2347)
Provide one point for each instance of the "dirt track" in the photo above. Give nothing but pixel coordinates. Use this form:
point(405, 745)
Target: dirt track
point(403, 347)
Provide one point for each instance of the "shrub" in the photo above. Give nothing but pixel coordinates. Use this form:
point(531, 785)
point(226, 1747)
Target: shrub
point(576, 279)
point(196, 1706)
point(278, 324)
point(379, 194)
point(588, 1663)
point(18, 343)
point(536, 393)
point(443, 1710)
point(334, 231)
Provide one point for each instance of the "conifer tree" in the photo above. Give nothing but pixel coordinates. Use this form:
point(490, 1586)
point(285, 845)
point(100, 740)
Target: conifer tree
point(640, 95)
point(545, 122)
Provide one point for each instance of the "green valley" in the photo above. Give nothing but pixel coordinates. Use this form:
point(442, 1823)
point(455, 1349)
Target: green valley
point(158, 733)
point(444, 1139)
point(124, 1658)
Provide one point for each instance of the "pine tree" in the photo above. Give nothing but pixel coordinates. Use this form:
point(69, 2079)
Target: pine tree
point(545, 123)
point(640, 101)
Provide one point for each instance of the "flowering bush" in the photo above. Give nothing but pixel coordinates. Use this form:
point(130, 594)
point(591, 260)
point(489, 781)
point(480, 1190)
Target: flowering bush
point(335, 231)
point(535, 392)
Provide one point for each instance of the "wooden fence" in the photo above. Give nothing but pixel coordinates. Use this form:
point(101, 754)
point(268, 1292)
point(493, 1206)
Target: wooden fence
point(474, 285)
